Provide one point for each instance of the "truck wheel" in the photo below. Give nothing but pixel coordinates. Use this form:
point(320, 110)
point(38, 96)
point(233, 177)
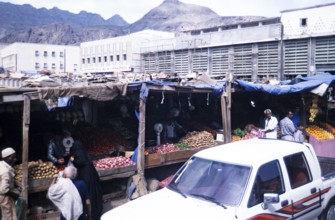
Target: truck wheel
point(329, 212)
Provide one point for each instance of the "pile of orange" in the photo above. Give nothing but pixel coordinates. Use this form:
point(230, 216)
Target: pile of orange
point(235, 138)
point(319, 133)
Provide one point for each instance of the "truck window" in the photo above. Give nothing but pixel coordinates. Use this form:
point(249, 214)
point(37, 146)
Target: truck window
point(269, 179)
point(298, 170)
point(224, 183)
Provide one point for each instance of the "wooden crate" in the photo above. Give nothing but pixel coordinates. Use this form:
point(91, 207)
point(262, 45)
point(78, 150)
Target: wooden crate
point(154, 160)
point(45, 216)
point(37, 185)
point(113, 171)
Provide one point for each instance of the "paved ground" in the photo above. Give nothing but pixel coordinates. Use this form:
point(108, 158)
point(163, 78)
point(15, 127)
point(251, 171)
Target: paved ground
point(110, 204)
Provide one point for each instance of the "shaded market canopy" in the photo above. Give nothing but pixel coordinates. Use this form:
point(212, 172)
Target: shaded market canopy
point(317, 84)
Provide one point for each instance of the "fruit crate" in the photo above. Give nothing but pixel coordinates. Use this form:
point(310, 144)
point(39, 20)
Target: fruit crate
point(323, 148)
point(37, 185)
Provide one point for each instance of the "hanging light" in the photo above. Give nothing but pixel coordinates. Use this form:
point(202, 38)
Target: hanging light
point(163, 97)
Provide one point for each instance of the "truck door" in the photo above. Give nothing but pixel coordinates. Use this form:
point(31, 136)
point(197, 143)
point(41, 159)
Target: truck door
point(269, 179)
point(305, 192)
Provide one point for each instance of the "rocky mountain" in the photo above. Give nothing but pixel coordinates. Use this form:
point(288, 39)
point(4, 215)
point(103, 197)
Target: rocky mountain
point(24, 23)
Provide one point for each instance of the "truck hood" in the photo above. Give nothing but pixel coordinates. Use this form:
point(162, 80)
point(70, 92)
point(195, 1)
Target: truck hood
point(167, 204)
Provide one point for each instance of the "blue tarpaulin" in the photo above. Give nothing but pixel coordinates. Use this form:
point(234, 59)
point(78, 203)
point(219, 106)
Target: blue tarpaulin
point(217, 87)
point(297, 85)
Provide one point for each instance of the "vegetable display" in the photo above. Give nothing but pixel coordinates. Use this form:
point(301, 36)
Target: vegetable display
point(112, 162)
point(37, 170)
point(197, 139)
point(164, 148)
point(319, 133)
point(99, 141)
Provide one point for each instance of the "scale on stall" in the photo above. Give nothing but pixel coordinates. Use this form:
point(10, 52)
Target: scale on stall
point(158, 127)
point(67, 143)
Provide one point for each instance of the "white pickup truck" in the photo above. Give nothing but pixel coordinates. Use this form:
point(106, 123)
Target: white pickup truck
point(251, 179)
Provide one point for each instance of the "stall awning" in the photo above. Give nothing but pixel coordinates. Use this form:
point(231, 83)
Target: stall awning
point(99, 92)
point(317, 84)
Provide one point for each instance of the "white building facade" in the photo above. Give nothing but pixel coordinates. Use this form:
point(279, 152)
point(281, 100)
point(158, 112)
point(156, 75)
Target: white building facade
point(300, 42)
point(119, 54)
point(309, 38)
point(31, 57)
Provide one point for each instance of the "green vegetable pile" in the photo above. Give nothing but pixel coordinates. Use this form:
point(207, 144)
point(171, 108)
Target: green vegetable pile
point(183, 146)
point(239, 132)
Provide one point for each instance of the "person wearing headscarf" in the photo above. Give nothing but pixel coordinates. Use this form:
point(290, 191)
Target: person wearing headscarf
point(63, 193)
point(87, 172)
point(8, 192)
point(71, 173)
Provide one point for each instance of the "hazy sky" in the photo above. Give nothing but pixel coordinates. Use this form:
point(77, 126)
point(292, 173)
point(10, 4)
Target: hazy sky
point(132, 10)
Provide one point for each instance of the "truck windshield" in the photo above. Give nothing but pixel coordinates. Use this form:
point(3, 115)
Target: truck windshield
point(211, 180)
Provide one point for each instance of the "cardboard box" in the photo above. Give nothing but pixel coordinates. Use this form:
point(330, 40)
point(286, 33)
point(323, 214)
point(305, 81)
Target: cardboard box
point(129, 153)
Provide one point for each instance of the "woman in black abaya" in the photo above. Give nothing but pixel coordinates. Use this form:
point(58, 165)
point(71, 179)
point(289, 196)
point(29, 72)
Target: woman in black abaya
point(87, 172)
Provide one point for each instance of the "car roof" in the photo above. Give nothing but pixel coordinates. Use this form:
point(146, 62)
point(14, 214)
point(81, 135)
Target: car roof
point(252, 151)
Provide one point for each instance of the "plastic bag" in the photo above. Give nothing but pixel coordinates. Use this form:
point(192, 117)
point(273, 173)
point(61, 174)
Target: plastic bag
point(20, 206)
point(70, 164)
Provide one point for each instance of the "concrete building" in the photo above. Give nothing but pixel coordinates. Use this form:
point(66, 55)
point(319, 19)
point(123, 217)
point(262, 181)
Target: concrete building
point(119, 54)
point(300, 42)
point(309, 39)
point(30, 57)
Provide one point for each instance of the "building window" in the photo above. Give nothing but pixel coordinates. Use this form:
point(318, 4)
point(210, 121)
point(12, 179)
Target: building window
point(45, 66)
point(45, 53)
point(117, 57)
point(53, 66)
point(61, 66)
point(99, 58)
point(93, 59)
point(303, 22)
point(37, 53)
point(37, 65)
point(111, 57)
point(53, 54)
point(88, 60)
point(83, 61)
point(61, 54)
point(124, 56)
point(105, 59)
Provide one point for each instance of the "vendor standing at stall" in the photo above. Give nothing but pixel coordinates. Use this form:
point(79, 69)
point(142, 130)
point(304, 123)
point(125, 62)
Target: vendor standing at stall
point(57, 152)
point(172, 130)
point(287, 127)
point(271, 124)
point(8, 193)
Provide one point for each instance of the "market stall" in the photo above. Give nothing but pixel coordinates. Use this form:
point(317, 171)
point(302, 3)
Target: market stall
point(44, 109)
point(34, 112)
point(156, 99)
point(314, 95)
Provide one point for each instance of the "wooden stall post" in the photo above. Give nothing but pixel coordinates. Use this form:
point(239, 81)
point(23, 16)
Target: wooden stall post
point(229, 82)
point(226, 110)
point(224, 115)
point(25, 146)
point(139, 179)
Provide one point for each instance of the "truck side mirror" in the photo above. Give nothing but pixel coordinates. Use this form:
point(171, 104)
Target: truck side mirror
point(270, 198)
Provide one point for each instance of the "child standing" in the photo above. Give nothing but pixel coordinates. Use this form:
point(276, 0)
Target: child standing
point(299, 133)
